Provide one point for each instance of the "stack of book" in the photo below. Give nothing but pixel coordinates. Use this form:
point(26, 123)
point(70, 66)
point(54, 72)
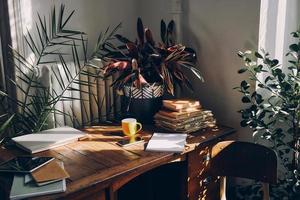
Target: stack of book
point(48, 179)
point(183, 116)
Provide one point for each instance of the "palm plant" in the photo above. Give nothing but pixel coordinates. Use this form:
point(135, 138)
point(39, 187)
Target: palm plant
point(144, 61)
point(54, 44)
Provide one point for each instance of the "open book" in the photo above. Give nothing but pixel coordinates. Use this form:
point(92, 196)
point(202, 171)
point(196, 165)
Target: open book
point(167, 142)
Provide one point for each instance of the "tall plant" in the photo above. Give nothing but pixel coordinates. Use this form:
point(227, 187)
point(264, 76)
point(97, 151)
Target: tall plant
point(52, 45)
point(272, 111)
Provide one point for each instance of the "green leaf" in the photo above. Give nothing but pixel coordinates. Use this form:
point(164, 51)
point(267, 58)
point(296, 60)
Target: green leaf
point(246, 115)
point(258, 99)
point(68, 18)
point(287, 86)
point(43, 25)
point(269, 78)
point(245, 85)
point(246, 99)
point(242, 70)
point(292, 68)
point(53, 26)
point(122, 39)
point(295, 34)
point(244, 123)
point(258, 55)
point(240, 54)
point(261, 85)
point(294, 47)
point(258, 68)
point(6, 124)
point(60, 17)
point(273, 86)
point(40, 35)
point(274, 62)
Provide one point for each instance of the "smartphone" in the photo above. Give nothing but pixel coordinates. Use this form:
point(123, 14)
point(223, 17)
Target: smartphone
point(24, 164)
point(126, 142)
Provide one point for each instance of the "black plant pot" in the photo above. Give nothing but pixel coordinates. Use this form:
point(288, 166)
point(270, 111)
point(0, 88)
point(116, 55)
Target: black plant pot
point(142, 103)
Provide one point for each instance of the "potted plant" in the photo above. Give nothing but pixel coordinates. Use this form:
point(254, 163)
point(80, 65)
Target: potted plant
point(272, 111)
point(53, 45)
point(146, 69)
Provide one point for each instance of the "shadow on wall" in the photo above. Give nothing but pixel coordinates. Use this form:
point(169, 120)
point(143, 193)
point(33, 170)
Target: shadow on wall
point(191, 37)
point(217, 30)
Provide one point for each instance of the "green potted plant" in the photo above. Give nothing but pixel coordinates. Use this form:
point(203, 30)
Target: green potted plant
point(146, 69)
point(272, 111)
point(54, 44)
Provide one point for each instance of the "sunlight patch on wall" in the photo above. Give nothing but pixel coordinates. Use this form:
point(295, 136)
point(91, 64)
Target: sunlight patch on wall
point(27, 15)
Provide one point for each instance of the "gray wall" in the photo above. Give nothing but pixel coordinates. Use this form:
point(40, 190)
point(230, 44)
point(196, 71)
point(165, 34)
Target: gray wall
point(91, 16)
point(217, 29)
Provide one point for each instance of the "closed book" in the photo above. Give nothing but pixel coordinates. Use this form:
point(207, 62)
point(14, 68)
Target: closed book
point(179, 115)
point(50, 172)
point(22, 189)
point(182, 119)
point(181, 105)
point(190, 109)
point(47, 139)
point(185, 125)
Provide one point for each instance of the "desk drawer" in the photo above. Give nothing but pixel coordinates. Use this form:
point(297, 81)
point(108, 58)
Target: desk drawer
point(201, 186)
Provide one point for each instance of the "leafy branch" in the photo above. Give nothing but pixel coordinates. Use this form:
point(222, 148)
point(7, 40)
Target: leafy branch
point(274, 116)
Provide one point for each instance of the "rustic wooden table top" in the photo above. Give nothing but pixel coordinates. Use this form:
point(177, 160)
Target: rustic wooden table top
point(98, 161)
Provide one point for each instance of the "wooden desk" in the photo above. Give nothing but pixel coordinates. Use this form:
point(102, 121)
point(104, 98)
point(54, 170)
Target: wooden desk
point(98, 167)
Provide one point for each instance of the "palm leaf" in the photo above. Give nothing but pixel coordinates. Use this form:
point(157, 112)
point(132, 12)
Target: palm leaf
point(31, 44)
point(6, 125)
point(103, 38)
point(66, 21)
point(122, 39)
point(39, 102)
point(53, 27)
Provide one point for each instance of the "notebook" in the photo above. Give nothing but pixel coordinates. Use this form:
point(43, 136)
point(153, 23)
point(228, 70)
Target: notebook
point(50, 172)
point(44, 140)
point(167, 142)
point(24, 188)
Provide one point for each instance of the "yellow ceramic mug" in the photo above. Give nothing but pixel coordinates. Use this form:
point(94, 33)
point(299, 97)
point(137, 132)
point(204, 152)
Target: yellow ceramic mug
point(129, 126)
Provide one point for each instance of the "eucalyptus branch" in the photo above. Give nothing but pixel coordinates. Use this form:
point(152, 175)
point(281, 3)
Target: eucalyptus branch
point(282, 117)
